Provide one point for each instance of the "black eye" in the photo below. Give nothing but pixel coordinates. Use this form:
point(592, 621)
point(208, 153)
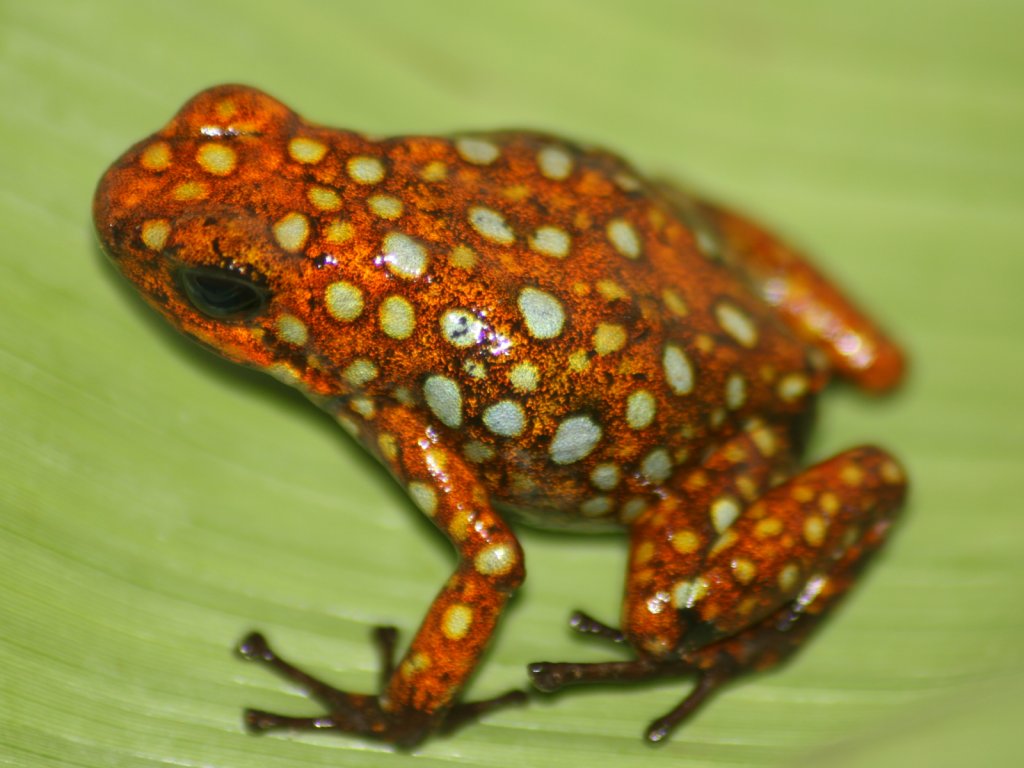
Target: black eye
point(222, 294)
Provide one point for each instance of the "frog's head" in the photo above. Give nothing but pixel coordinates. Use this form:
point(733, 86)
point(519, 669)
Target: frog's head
point(200, 218)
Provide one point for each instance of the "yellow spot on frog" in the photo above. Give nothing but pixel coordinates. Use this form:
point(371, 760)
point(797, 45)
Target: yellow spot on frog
point(291, 231)
point(155, 233)
point(338, 232)
point(217, 159)
point(191, 190)
point(292, 330)
point(305, 150)
point(156, 157)
point(324, 198)
point(608, 338)
point(456, 621)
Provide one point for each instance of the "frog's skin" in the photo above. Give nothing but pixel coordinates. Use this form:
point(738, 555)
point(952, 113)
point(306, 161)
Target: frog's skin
point(518, 326)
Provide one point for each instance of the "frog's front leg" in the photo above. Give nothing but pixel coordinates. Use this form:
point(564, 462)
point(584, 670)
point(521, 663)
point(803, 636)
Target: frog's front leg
point(419, 694)
point(745, 597)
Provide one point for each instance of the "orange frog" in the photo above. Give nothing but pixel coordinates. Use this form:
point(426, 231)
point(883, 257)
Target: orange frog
point(521, 328)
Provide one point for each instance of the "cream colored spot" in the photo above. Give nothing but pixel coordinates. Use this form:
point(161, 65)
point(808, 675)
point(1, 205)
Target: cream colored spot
point(814, 530)
point(363, 406)
point(475, 368)
point(598, 506)
point(217, 159)
point(640, 409)
point(461, 328)
point(505, 418)
point(309, 151)
point(425, 497)
point(605, 477)
point(643, 553)
point(891, 472)
point(678, 370)
point(495, 560)
point(829, 503)
point(360, 372)
point(624, 238)
point(444, 398)
point(477, 452)
point(477, 151)
point(338, 232)
point(385, 206)
point(685, 541)
point(554, 163)
point(542, 312)
point(434, 171)
point(579, 361)
point(364, 169)
point(767, 528)
point(611, 290)
point(324, 198)
point(155, 233)
point(291, 231)
point(156, 157)
point(723, 542)
point(405, 257)
point(736, 323)
point(285, 373)
point(456, 621)
point(792, 387)
point(724, 511)
point(632, 509)
point(551, 241)
point(191, 190)
point(463, 257)
point(524, 377)
point(674, 302)
point(397, 318)
point(574, 439)
point(416, 664)
point(516, 192)
point(491, 225)
point(852, 475)
point(743, 570)
point(656, 466)
point(686, 594)
point(735, 391)
point(764, 439)
point(788, 577)
point(344, 301)
point(608, 338)
point(292, 330)
point(388, 445)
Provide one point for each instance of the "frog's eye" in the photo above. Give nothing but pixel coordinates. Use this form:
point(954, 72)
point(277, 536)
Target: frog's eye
point(222, 294)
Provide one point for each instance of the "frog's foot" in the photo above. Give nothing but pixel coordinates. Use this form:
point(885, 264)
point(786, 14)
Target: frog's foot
point(552, 676)
point(361, 714)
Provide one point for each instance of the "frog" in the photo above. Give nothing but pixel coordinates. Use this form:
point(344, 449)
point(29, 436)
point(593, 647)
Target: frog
point(524, 329)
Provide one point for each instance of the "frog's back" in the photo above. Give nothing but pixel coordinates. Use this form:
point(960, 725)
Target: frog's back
point(576, 338)
point(547, 310)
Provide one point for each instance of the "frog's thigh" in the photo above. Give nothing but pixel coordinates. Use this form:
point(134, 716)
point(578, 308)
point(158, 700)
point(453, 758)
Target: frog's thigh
point(795, 550)
point(463, 616)
point(807, 301)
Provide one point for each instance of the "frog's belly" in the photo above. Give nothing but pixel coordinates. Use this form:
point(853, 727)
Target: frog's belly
point(554, 519)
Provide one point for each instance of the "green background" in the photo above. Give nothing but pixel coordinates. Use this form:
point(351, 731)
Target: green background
point(157, 503)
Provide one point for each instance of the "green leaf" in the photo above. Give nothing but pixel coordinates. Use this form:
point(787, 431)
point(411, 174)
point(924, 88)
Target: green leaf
point(158, 503)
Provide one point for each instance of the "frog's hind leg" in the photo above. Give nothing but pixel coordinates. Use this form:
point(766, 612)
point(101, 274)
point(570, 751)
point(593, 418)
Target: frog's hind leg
point(807, 301)
point(744, 590)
